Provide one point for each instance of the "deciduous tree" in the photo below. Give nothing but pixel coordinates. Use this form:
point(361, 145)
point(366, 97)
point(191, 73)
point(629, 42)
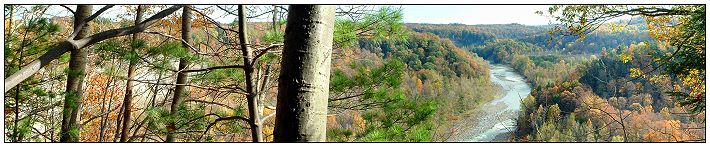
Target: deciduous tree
point(305, 70)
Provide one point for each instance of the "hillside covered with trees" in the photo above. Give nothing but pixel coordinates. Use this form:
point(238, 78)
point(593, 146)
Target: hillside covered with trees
point(637, 80)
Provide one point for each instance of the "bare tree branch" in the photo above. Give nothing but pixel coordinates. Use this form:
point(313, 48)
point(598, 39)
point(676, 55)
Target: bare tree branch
point(70, 10)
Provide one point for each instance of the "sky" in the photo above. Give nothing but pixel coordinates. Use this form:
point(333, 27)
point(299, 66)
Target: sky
point(445, 14)
point(475, 14)
point(436, 14)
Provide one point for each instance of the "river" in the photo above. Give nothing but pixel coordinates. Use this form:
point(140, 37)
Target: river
point(495, 119)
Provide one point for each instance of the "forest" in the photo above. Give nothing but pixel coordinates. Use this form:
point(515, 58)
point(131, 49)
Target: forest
point(348, 73)
point(636, 80)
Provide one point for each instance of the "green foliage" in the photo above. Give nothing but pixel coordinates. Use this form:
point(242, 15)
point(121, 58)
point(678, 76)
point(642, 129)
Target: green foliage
point(156, 118)
point(25, 41)
point(524, 118)
point(68, 71)
point(548, 133)
point(384, 24)
point(104, 48)
point(107, 49)
point(502, 50)
point(545, 60)
point(70, 102)
point(220, 75)
point(273, 37)
point(378, 83)
point(345, 33)
point(74, 132)
point(137, 43)
point(689, 62)
point(24, 129)
point(611, 72)
point(389, 114)
point(462, 35)
point(39, 91)
point(171, 49)
point(186, 117)
point(476, 36)
point(269, 57)
point(404, 120)
point(63, 58)
point(338, 135)
point(427, 51)
point(31, 38)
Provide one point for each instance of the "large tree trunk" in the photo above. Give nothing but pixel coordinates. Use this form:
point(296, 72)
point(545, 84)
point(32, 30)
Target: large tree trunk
point(249, 73)
point(128, 99)
point(305, 74)
point(75, 80)
point(182, 76)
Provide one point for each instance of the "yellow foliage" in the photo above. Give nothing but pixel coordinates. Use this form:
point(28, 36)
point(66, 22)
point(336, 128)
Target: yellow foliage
point(635, 72)
point(625, 58)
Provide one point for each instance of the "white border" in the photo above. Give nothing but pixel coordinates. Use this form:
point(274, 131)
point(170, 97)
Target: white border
point(396, 2)
point(357, 2)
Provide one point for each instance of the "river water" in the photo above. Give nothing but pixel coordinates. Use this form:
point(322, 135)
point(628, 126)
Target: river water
point(493, 120)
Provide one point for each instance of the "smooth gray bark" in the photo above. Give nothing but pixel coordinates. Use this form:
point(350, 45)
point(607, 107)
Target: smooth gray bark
point(305, 74)
point(75, 80)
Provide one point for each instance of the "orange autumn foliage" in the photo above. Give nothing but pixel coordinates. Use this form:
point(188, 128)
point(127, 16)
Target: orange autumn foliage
point(96, 102)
